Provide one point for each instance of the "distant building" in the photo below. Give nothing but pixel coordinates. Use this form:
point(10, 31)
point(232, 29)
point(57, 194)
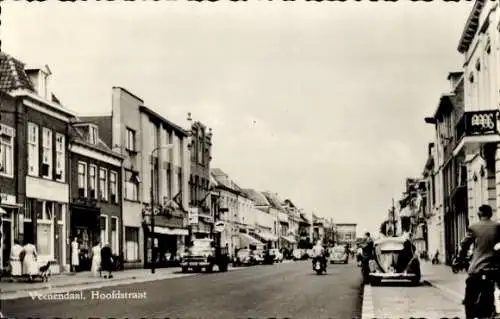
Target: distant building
point(346, 233)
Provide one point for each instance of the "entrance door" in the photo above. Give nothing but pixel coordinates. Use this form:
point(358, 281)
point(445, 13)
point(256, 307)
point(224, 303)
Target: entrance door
point(6, 241)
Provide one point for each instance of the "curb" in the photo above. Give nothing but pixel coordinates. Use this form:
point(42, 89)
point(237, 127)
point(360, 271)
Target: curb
point(367, 310)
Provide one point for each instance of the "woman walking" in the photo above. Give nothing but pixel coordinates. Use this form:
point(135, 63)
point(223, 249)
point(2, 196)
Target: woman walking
point(75, 255)
point(107, 261)
point(96, 260)
point(16, 269)
point(30, 266)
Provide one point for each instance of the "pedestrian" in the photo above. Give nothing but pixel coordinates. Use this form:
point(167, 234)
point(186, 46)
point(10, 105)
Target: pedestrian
point(75, 254)
point(29, 257)
point(367, 249)
point(107, 261)
point(479, 300)
point(16, 268)
point(96, 259)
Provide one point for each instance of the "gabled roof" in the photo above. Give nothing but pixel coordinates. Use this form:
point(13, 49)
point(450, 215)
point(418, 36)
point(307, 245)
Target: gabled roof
point(222, 179)
point(76, 135)
point(274, 200)
point(258, 198)
point(13, 75)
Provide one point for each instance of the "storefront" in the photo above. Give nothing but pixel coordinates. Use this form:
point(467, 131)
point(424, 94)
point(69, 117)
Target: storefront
point(86, 226)
point(9, 214)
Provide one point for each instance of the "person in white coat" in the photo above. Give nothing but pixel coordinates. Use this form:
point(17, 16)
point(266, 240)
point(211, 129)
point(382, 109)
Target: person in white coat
point(16, 268)
point(30, 266)
point(75, 254)
point(96, 259)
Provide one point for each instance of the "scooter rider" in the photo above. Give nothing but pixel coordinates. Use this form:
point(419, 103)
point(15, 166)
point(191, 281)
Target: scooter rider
point(319, 252)
point(483, 269)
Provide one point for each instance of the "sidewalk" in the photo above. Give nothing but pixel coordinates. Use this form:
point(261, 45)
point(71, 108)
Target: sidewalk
point(85, 278)
point(441, 277)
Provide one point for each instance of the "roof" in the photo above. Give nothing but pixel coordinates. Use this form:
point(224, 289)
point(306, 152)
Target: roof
point(13, 75)
point(274, 200)
point(163, 120)
point(222, 179)
point(76, 135)
point(258, 198)
point(470, 27)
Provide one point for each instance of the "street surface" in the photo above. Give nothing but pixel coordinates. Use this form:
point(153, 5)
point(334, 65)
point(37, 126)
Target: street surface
point(289, 290)
point(403, 301)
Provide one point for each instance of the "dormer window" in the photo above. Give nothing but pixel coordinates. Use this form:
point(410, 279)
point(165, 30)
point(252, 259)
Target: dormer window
point(93, 134)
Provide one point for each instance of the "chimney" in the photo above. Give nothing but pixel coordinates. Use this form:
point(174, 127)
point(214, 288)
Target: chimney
point(454, 78)
point(40, 77)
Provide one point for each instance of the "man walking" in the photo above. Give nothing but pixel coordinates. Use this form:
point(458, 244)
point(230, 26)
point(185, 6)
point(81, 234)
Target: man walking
point(479, 298)
point(367, 249)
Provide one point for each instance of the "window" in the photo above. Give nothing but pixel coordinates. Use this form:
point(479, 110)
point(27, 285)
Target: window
point(33, 156)
point(113, 187)
point(93, 134)
point(45, 228)
point(114, 235)
point(82, 179)
point(103, 184)
point(103, 221)
point(60, 157)
point(47, 153)
point(130, 140)
point(93, 181)
point(6, 150)
point(132, 244)
point(131, 186)
point(200, 149)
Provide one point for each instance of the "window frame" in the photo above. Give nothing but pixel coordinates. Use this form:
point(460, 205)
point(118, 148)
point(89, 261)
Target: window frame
point(10, 133)
point(96, 186)
point(130, 142)
point(61, 154)
point(135, 187)
point(85, 178)
point(50, 148)
point(116, 236)
point(33, 142)
point(93, 134)
point(105, 195)
point(115, 184)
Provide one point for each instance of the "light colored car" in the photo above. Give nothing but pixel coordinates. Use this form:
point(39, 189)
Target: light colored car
point(278, 256)
point(338, 255)
point(299, 254)
point(244, 258)
point(258, 256)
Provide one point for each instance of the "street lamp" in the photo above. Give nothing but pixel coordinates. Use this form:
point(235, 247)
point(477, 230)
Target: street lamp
point(153, 237)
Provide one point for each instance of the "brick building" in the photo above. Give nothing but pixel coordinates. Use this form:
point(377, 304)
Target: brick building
point(95, 192)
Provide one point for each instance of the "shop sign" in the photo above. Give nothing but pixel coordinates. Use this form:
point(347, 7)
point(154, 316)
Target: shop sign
point(193, 215)
point(7, 199)
point(482, 122)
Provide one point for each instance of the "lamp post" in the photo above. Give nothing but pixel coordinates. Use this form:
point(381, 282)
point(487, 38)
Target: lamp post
point(153, 237)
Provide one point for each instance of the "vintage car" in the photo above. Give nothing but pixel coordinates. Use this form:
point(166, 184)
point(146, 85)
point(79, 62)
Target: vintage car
point(258, 256)
point(278, 256)
point(395, 258)
point(244, 258)
point(338, 255)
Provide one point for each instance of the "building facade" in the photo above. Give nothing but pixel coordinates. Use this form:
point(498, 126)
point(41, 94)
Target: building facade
point(265, 218)
point(201, 226)
point(36, 150)
point(156, 154)
point(345, 233)
point(95, 193)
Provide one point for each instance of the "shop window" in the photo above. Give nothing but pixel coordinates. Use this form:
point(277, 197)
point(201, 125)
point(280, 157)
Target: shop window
point(132, 243)
point(103, 223)
point(45, 229)
point(114, 235)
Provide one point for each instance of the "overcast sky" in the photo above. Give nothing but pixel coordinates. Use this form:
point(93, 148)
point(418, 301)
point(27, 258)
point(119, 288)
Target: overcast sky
point(323, 103)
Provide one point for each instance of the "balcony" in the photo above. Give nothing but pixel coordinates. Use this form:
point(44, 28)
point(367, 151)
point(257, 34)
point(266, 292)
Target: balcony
point(476, 128)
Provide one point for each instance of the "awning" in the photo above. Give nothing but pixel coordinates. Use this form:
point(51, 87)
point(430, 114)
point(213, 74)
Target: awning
point(247, 240)
point(171, 231)
point(267, 236)
point(289, 239)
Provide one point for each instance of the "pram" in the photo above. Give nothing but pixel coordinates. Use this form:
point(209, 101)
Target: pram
point(44, 272)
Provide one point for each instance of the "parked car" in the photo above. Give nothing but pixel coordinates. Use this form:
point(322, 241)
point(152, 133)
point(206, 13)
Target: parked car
point(244, 257)
point(278, 256)
point(258, 256)
point(299, 254)
point(338, 255)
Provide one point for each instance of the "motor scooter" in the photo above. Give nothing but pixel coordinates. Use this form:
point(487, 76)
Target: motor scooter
point(460, 265)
